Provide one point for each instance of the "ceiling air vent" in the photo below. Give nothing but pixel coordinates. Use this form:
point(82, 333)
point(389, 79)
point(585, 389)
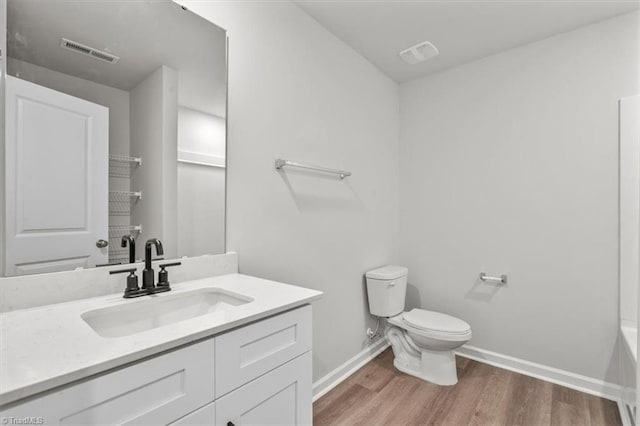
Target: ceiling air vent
point(88, 51)
point(419, 53)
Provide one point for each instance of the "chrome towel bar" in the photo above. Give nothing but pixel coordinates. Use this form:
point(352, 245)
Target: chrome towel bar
point(280, 163)
point(502, 279)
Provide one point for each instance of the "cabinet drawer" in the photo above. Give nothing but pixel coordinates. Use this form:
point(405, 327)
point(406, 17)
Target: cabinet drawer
point(201, 417)
point(252, 350)
point(281, 397)
point(156, 391)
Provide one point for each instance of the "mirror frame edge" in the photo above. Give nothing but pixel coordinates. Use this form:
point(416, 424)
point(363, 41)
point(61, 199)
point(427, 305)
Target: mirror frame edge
point(3, 74)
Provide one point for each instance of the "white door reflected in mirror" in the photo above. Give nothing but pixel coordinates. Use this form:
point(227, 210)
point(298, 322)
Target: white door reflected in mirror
point(57, 186)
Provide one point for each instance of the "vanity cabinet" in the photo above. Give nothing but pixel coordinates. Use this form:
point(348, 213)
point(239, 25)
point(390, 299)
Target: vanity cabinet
point(259, 373)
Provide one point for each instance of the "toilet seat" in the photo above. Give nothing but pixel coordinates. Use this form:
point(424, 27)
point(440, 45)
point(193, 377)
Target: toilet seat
point(435, 324)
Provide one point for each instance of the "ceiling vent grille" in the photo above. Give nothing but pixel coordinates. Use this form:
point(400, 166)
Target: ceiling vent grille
point(419, 53)
point(88, 51)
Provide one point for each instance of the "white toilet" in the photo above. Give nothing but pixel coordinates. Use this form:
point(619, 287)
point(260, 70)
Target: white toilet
point(423, 341)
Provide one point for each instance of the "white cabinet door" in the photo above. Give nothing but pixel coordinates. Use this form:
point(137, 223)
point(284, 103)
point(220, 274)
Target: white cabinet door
point(56, 154)
point(250, 351)
point(281, 397)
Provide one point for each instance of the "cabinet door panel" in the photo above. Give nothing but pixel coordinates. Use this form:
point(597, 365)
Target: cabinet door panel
point(280, 397)
point(156, 391)
point(250, 351)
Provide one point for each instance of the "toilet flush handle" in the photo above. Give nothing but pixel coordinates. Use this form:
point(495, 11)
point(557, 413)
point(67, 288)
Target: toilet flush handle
point(392, 284)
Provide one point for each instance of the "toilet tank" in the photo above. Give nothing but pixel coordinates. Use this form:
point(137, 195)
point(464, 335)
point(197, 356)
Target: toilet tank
point(386, 289)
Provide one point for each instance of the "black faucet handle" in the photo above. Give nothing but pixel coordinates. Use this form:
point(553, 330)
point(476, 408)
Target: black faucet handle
point(122, 271)
point(163, 275)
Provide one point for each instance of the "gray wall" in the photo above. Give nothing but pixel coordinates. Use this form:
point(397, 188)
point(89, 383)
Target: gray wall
point(154, 137)
point(201, 188)
point(200, 209)
point(510, 165)
point(297, 92)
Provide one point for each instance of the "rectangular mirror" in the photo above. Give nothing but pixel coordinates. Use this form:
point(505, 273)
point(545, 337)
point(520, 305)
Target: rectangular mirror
point(115, 132)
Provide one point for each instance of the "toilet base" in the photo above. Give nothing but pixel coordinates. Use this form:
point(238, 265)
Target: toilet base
point(435, 367)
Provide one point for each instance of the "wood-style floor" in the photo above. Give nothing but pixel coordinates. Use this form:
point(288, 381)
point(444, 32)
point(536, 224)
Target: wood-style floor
point(378, 394)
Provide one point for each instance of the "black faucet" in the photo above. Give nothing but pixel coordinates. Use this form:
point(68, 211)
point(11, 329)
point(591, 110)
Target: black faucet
point(132, 246)
point(147, 274)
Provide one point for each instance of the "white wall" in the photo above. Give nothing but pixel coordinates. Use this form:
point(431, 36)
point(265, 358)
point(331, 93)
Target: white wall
point(200, 209)
point(201, 133)
point(201, 187)
point(510, 165)
point(154, 135)
point(297, 92)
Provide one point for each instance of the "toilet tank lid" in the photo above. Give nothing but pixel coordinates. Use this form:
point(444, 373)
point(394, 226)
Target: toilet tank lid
point(390, 272)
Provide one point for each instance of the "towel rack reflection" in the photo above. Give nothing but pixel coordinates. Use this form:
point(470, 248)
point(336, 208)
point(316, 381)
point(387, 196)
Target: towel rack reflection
point(280, 163)
point(119, 229)
point(126, 159)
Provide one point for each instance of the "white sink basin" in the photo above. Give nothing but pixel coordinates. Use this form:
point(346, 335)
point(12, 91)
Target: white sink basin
point(162, 309)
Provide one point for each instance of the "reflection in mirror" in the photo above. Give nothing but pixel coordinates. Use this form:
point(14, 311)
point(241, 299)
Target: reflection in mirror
point(115, 126)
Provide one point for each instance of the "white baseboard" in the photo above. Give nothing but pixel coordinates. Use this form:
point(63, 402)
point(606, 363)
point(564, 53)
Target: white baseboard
point(335, 377)
point(624, 414)
point(549, 374)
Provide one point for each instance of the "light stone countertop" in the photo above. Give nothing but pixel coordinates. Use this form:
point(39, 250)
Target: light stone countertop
point(45, 347)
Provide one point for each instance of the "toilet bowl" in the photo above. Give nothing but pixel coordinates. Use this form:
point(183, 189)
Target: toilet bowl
point(423, 341)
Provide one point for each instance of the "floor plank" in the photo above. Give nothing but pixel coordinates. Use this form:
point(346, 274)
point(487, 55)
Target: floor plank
point(494, 405)
point(378, 394)
point(530, 402)
point(569, 407)
point(460, 403)
point(339, 405)
point(383, 408)
point(602, 412)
